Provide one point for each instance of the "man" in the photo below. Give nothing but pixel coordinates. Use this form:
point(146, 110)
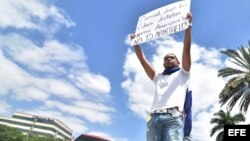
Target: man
point(166, 123)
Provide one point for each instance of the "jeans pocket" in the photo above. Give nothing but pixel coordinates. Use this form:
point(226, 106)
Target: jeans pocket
point(148, 118)
point(176, 114)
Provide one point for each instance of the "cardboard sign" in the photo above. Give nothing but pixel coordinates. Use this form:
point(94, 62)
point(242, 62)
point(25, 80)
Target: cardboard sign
point(163, 21)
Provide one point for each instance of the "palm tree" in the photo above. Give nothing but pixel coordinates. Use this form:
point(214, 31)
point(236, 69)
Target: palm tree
point(221, 118)
point(238, 86)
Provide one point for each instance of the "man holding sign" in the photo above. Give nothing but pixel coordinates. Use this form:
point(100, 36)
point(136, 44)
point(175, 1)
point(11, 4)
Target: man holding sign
point(165, 122)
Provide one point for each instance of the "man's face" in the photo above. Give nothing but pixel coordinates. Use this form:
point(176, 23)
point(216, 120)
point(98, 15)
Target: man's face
point(170, 60)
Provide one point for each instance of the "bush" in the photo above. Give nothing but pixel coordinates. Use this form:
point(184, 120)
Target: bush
point(12, 134)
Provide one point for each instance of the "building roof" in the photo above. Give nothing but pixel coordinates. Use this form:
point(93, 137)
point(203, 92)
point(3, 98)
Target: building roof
point(86, 137)
point(55, 120)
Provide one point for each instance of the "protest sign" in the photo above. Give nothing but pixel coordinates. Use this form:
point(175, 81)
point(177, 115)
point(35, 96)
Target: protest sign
point(162, 21)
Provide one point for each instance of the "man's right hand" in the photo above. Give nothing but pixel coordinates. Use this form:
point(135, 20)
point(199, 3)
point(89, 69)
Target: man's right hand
point(132, 36)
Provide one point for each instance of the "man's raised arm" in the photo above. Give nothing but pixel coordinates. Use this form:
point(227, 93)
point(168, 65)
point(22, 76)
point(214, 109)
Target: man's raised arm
point(186, 55)
point(143, 60)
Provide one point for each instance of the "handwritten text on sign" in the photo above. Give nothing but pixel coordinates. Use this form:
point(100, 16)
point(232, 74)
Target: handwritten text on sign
point(162, 21)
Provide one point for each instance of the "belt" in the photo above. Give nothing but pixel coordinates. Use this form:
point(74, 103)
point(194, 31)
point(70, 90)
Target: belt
point(174, 111)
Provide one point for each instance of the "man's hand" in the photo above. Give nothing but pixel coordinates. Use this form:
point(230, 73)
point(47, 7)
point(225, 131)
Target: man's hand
point(132, 36)
point(190, 17)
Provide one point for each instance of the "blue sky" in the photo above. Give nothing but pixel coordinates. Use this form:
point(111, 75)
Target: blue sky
point(71, 60)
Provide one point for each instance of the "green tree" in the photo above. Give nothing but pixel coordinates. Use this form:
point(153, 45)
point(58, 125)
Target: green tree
point(220, 119)
point(10, 134)
point(40, 138)
point(238, 86)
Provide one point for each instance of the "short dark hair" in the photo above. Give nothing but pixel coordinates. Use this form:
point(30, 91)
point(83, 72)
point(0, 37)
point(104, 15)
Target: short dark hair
point(173, 56)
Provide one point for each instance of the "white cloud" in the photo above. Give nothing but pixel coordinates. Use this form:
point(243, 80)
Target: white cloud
point(61, 88)
point(11, 75)
point(47, 72)
point(54, 59)
point(30, 93)
point(49, 58)
point(91, 111)
point(36, 73)
point(205, 83)
point(44, 66)
point(93, 83)
point(32, 14)
point(4, 107)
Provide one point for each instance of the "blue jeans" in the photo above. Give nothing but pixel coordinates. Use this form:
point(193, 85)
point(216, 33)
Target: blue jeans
point(164, 127)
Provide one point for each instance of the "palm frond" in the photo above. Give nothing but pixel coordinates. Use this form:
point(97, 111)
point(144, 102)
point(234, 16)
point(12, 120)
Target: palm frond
point(215, 129)
point(220, 136)
point(214, 120)
point(235, 97)
point(244, 103)
point(229, 71)
point(246, 58)
point(235, 58)
point(239, 118)
point(233, 87)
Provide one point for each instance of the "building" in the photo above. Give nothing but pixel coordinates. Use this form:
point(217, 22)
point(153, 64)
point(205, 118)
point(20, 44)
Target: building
point(38, 125)
point(85, 137)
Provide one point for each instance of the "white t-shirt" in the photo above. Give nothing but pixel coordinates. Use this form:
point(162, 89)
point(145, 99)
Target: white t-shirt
point(170, 90)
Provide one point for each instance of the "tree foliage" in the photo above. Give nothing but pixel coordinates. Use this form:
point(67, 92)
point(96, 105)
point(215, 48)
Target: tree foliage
point(12, 134)
point(39, 138)
point(222, 118)
point(238, 85)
